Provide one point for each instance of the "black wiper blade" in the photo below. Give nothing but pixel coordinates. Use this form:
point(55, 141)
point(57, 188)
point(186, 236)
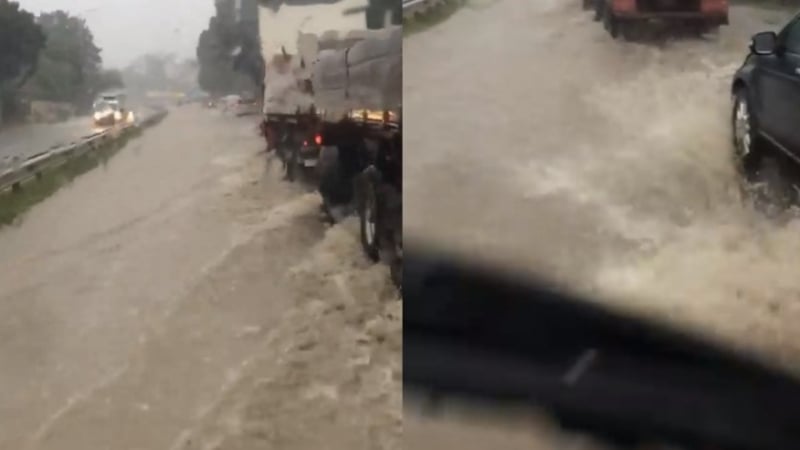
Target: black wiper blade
point(468, 332)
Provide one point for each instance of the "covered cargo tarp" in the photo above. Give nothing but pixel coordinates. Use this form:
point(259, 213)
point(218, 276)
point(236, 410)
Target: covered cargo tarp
point(288, 33)
point(282, 21)
point(365, 76)
point(284, 88)
point(285, 75)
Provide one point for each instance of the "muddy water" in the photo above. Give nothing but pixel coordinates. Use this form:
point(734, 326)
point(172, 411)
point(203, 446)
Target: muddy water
point(134, 301)
point(23, 141)
point(540, 142)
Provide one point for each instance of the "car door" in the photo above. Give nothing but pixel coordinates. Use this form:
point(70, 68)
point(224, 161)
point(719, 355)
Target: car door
point(779, 89)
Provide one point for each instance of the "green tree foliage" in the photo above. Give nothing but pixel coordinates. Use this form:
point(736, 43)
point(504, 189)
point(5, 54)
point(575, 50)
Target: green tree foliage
point(69, 67)
point(160, 72)
point(21, 40)
point(228, 54)
point(109, 79)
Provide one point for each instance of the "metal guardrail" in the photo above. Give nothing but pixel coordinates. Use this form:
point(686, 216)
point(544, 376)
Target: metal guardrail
point(32, 167)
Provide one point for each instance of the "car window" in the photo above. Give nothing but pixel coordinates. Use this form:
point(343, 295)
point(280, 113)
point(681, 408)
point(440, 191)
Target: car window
point(791, 37)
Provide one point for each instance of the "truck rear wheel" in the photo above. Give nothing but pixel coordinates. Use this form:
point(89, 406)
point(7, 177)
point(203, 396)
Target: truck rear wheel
point(629, 30)
point(292, 165)
point(599, 9)
point(611, 24)
point(368, 215)
point(335, 186)
point(393, 220)
point(397, 273)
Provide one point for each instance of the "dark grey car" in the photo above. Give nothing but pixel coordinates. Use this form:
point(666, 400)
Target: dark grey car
point(766, 107)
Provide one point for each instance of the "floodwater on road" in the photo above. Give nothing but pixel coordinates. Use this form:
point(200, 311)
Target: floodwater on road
point(24, 141)
point(538, 142)
point(140, 305)
point(603, 165)
point(20, 142)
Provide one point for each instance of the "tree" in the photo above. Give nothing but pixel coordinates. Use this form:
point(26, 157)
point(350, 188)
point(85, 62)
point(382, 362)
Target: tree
point(228, 53)
point(21, 40)
point(160, 72)
point(70, 64)
point(109, 79)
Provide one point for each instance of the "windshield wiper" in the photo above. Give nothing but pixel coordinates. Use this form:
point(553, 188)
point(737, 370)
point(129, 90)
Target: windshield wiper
point(469, 332)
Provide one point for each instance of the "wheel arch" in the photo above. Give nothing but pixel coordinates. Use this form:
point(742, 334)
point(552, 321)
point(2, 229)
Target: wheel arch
point(739, 83)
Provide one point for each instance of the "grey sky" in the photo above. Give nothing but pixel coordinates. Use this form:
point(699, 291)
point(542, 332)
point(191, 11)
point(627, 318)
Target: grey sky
point(125, 29)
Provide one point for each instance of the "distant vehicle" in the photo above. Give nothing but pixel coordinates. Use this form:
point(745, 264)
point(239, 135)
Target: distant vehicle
point(111, 109)
point(247, 107)
point(766, 91)
point(624, 17)
point(230, 102)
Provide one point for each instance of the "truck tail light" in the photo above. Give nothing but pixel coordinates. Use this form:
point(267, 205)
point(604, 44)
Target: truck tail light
point(714, 6)
point(624, 6)
point(318, 139)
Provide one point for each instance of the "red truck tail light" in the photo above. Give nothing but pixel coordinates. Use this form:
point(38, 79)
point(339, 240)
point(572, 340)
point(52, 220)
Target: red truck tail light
point(317, 140)
point(719, 6)
point(624, 6)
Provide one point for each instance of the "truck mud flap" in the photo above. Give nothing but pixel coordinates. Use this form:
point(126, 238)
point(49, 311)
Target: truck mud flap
point(334, 187)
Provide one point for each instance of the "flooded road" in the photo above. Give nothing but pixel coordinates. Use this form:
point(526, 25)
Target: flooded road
point(20, 142)
point(137, 302)
point(24, 141)
point(604, 165)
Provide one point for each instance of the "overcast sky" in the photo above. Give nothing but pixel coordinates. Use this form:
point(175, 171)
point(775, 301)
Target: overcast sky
point(125, 29)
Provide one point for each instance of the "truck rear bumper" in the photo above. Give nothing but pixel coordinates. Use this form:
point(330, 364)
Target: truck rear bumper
point(670, 17)
point(308, 156)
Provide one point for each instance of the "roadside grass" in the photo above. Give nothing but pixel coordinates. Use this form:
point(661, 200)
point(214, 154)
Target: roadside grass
point(13, 204)
point(432, 17)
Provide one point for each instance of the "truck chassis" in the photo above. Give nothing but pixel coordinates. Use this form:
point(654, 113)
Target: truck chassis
point(626, 18)
point(360, 168)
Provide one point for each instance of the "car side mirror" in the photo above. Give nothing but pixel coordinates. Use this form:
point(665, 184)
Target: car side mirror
point(765, 43)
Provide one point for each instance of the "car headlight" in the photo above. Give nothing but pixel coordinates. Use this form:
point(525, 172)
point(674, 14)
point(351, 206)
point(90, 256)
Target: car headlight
point(97, 116)
point(117, 115)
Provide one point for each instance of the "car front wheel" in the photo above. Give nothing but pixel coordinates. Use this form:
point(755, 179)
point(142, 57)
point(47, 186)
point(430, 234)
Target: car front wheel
point(744, 131)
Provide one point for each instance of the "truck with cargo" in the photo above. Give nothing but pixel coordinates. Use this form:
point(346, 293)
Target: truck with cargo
point(627, 17)
point(332, 110)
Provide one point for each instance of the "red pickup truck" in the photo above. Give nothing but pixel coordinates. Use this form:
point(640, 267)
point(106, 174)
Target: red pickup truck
point(625, 17)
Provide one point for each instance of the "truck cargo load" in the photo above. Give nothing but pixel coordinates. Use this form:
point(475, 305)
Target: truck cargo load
point(626, 17)
point(366, 76)
point(332, 111)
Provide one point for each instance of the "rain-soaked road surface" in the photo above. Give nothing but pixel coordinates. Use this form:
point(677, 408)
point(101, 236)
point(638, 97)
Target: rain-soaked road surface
point(20, 142)
point(603, 165)
point(24, 141)
point(179, 297)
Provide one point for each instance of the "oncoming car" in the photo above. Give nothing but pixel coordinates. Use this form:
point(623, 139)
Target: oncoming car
point(110, 109)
